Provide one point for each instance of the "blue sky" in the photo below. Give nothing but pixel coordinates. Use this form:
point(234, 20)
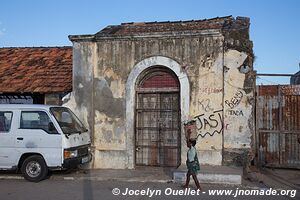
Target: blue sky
point(275, 25)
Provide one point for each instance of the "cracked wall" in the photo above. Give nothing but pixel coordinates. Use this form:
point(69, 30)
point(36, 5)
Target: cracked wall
point(238, 109)
point(220, 75)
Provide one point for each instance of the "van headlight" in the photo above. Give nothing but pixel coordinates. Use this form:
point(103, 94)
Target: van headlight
point(70, 154)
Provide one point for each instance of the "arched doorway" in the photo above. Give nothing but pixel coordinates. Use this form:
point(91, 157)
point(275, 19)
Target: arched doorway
point(157, 121)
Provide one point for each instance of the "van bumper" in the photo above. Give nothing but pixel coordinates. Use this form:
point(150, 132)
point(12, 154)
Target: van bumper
point(74, 162)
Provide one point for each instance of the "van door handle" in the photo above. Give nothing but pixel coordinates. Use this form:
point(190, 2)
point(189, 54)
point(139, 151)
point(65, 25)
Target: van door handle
point(20, 138)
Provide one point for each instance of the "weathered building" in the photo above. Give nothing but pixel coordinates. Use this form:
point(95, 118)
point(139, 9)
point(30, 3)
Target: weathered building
point(136, 84)
point(39, 75)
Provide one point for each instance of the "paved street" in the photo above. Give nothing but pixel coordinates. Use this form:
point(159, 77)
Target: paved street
point(94, 190)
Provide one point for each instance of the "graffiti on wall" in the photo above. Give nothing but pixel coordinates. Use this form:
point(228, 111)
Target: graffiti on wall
point(235, 100)
point(235, 112)
point(209, 90)
point(209, 124)
point(205, 105)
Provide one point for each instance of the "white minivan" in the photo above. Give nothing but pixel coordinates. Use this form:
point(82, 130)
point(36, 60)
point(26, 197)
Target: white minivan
point(38, 138)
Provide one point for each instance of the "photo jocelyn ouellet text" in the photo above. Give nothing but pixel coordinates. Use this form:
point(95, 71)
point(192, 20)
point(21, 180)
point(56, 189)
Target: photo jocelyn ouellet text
point(213, 192)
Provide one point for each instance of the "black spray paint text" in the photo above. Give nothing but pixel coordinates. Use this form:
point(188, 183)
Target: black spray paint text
point(235, 100)
point(209, 124)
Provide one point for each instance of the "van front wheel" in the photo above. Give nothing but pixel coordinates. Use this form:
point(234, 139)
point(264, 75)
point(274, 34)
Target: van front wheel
point(34, 168)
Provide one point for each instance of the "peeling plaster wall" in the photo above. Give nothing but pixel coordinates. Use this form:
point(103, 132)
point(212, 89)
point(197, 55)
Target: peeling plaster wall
point(220, 94)
point(206, 100)
point(200, 57)
point(239, 104)
point(81, 99)
point(238, 108)
point(226, 109)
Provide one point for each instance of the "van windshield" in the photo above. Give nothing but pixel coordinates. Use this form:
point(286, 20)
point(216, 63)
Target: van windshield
point(67, 120)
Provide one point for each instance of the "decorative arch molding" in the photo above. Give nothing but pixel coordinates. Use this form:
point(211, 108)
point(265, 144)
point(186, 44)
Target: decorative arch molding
point(130, 98)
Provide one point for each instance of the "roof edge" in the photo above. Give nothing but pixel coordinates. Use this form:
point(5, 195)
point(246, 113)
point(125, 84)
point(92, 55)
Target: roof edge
point(75, 38)
point(180, 21)
point(210, 32)
point(229, 21)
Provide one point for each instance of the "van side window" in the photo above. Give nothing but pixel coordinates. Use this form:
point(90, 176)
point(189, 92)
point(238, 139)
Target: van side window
point(5, 121)
point(36, 120)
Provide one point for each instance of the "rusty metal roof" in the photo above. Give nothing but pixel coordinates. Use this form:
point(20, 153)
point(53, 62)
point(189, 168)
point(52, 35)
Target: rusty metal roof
point(36, 70)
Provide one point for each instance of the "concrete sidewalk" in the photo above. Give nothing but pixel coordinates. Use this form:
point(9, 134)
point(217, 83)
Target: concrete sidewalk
point(209, 174)
point(140, 174)
point(212, 174)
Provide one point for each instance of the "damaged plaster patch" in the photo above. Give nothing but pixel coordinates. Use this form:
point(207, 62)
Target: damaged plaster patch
point(114, 82)
point(235, 156)
point(107, 135)
point(105, 101)
point(80, 100)
point(80, 85)
point(109, 159)
point(80, 111)
point(109, 132)
point(236, 104)
point(66, 98)
point(233, 60)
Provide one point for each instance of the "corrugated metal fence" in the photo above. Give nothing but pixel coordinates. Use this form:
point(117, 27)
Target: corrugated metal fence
point(278, 125)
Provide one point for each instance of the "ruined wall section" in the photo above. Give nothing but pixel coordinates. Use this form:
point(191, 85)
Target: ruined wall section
point(238, 93)
point(220, 73)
